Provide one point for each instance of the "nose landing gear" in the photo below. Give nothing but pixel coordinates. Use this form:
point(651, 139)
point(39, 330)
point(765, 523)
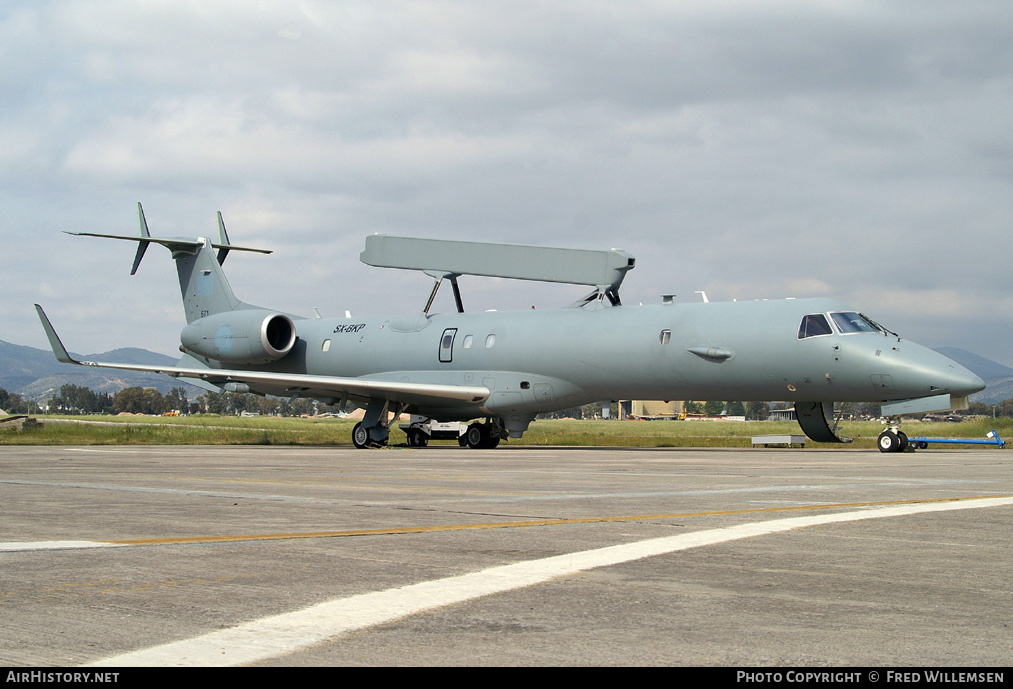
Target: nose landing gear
point(893, 439)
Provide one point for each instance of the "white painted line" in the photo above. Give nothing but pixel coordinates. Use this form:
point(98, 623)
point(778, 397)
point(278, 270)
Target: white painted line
point(54, 545)
point(277, 635)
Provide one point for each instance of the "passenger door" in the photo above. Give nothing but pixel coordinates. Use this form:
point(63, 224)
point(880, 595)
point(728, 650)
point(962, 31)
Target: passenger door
point(447, 345)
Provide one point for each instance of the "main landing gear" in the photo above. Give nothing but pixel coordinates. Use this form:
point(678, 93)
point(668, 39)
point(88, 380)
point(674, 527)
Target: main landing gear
point(361, 437)
point(374, 429)
point(482, 436)
point(417, 438)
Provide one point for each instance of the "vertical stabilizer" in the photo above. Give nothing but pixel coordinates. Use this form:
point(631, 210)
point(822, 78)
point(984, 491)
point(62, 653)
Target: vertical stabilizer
point(202, 283)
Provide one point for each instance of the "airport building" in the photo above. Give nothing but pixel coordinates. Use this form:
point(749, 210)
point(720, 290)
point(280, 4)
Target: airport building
point(649, 409)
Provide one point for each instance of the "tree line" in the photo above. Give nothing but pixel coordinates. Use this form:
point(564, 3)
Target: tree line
point(74, 399)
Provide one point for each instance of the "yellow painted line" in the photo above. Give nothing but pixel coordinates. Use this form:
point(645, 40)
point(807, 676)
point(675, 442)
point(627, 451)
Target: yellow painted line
point(531, 523)
point(369, 483)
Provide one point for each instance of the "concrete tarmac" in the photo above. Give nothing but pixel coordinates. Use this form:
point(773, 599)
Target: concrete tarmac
point(890, 560)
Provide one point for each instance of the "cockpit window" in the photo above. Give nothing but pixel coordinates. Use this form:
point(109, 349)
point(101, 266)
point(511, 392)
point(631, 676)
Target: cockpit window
point(812, 325)
point(851, 322)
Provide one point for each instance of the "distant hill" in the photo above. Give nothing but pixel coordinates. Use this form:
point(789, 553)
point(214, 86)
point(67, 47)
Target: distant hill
point(21, 366)
point(36, 374)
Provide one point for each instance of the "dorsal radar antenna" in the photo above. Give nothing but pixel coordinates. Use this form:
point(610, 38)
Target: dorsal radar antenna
point(448, 260)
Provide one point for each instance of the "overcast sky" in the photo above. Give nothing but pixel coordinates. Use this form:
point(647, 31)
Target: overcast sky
point(852, 149)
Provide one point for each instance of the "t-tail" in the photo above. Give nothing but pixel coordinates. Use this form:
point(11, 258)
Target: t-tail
point(202, 283)
point(220, 329)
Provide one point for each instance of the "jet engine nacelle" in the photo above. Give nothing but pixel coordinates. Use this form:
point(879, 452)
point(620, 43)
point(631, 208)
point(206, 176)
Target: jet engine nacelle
point(253, 336)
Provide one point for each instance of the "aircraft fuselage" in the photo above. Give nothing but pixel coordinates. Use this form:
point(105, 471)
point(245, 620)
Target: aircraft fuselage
point(543, 360)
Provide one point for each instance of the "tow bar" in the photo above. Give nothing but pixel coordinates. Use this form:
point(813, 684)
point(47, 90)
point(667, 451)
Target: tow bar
point(993, 438)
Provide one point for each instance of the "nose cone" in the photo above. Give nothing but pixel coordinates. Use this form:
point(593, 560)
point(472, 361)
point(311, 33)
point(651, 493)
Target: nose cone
point(909, 371)
point(963, 382)
point(929, 372)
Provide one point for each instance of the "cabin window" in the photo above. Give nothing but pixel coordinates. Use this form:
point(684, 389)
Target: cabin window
point(665, 337)
point(813, 325)
point(851, 322)
point(326, 346)
point(490, 341)
point(468, 341)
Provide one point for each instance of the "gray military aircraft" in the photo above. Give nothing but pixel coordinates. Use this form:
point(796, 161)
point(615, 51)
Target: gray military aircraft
point(506, 367)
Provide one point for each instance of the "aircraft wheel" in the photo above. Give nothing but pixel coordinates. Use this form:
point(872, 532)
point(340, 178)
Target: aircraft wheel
point(360, 436)
point(888, 441)
point(902, 437)
point(477, 436)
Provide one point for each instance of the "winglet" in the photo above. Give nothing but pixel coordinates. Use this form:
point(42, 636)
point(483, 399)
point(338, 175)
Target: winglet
point(54, 340)
point(224, 240)
point(141, 246)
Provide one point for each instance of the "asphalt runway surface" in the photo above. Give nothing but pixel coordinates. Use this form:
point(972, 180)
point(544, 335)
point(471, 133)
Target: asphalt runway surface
point(516, 556)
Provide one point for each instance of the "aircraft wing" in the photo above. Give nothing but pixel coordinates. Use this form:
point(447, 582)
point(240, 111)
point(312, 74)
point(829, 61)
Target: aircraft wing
point(287, 384)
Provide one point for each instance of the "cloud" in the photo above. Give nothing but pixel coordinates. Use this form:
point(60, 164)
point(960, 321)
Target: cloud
point(857, 150)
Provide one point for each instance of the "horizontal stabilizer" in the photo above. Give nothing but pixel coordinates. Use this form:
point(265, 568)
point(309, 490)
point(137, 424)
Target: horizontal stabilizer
point(189, 246)
point(172, 243)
